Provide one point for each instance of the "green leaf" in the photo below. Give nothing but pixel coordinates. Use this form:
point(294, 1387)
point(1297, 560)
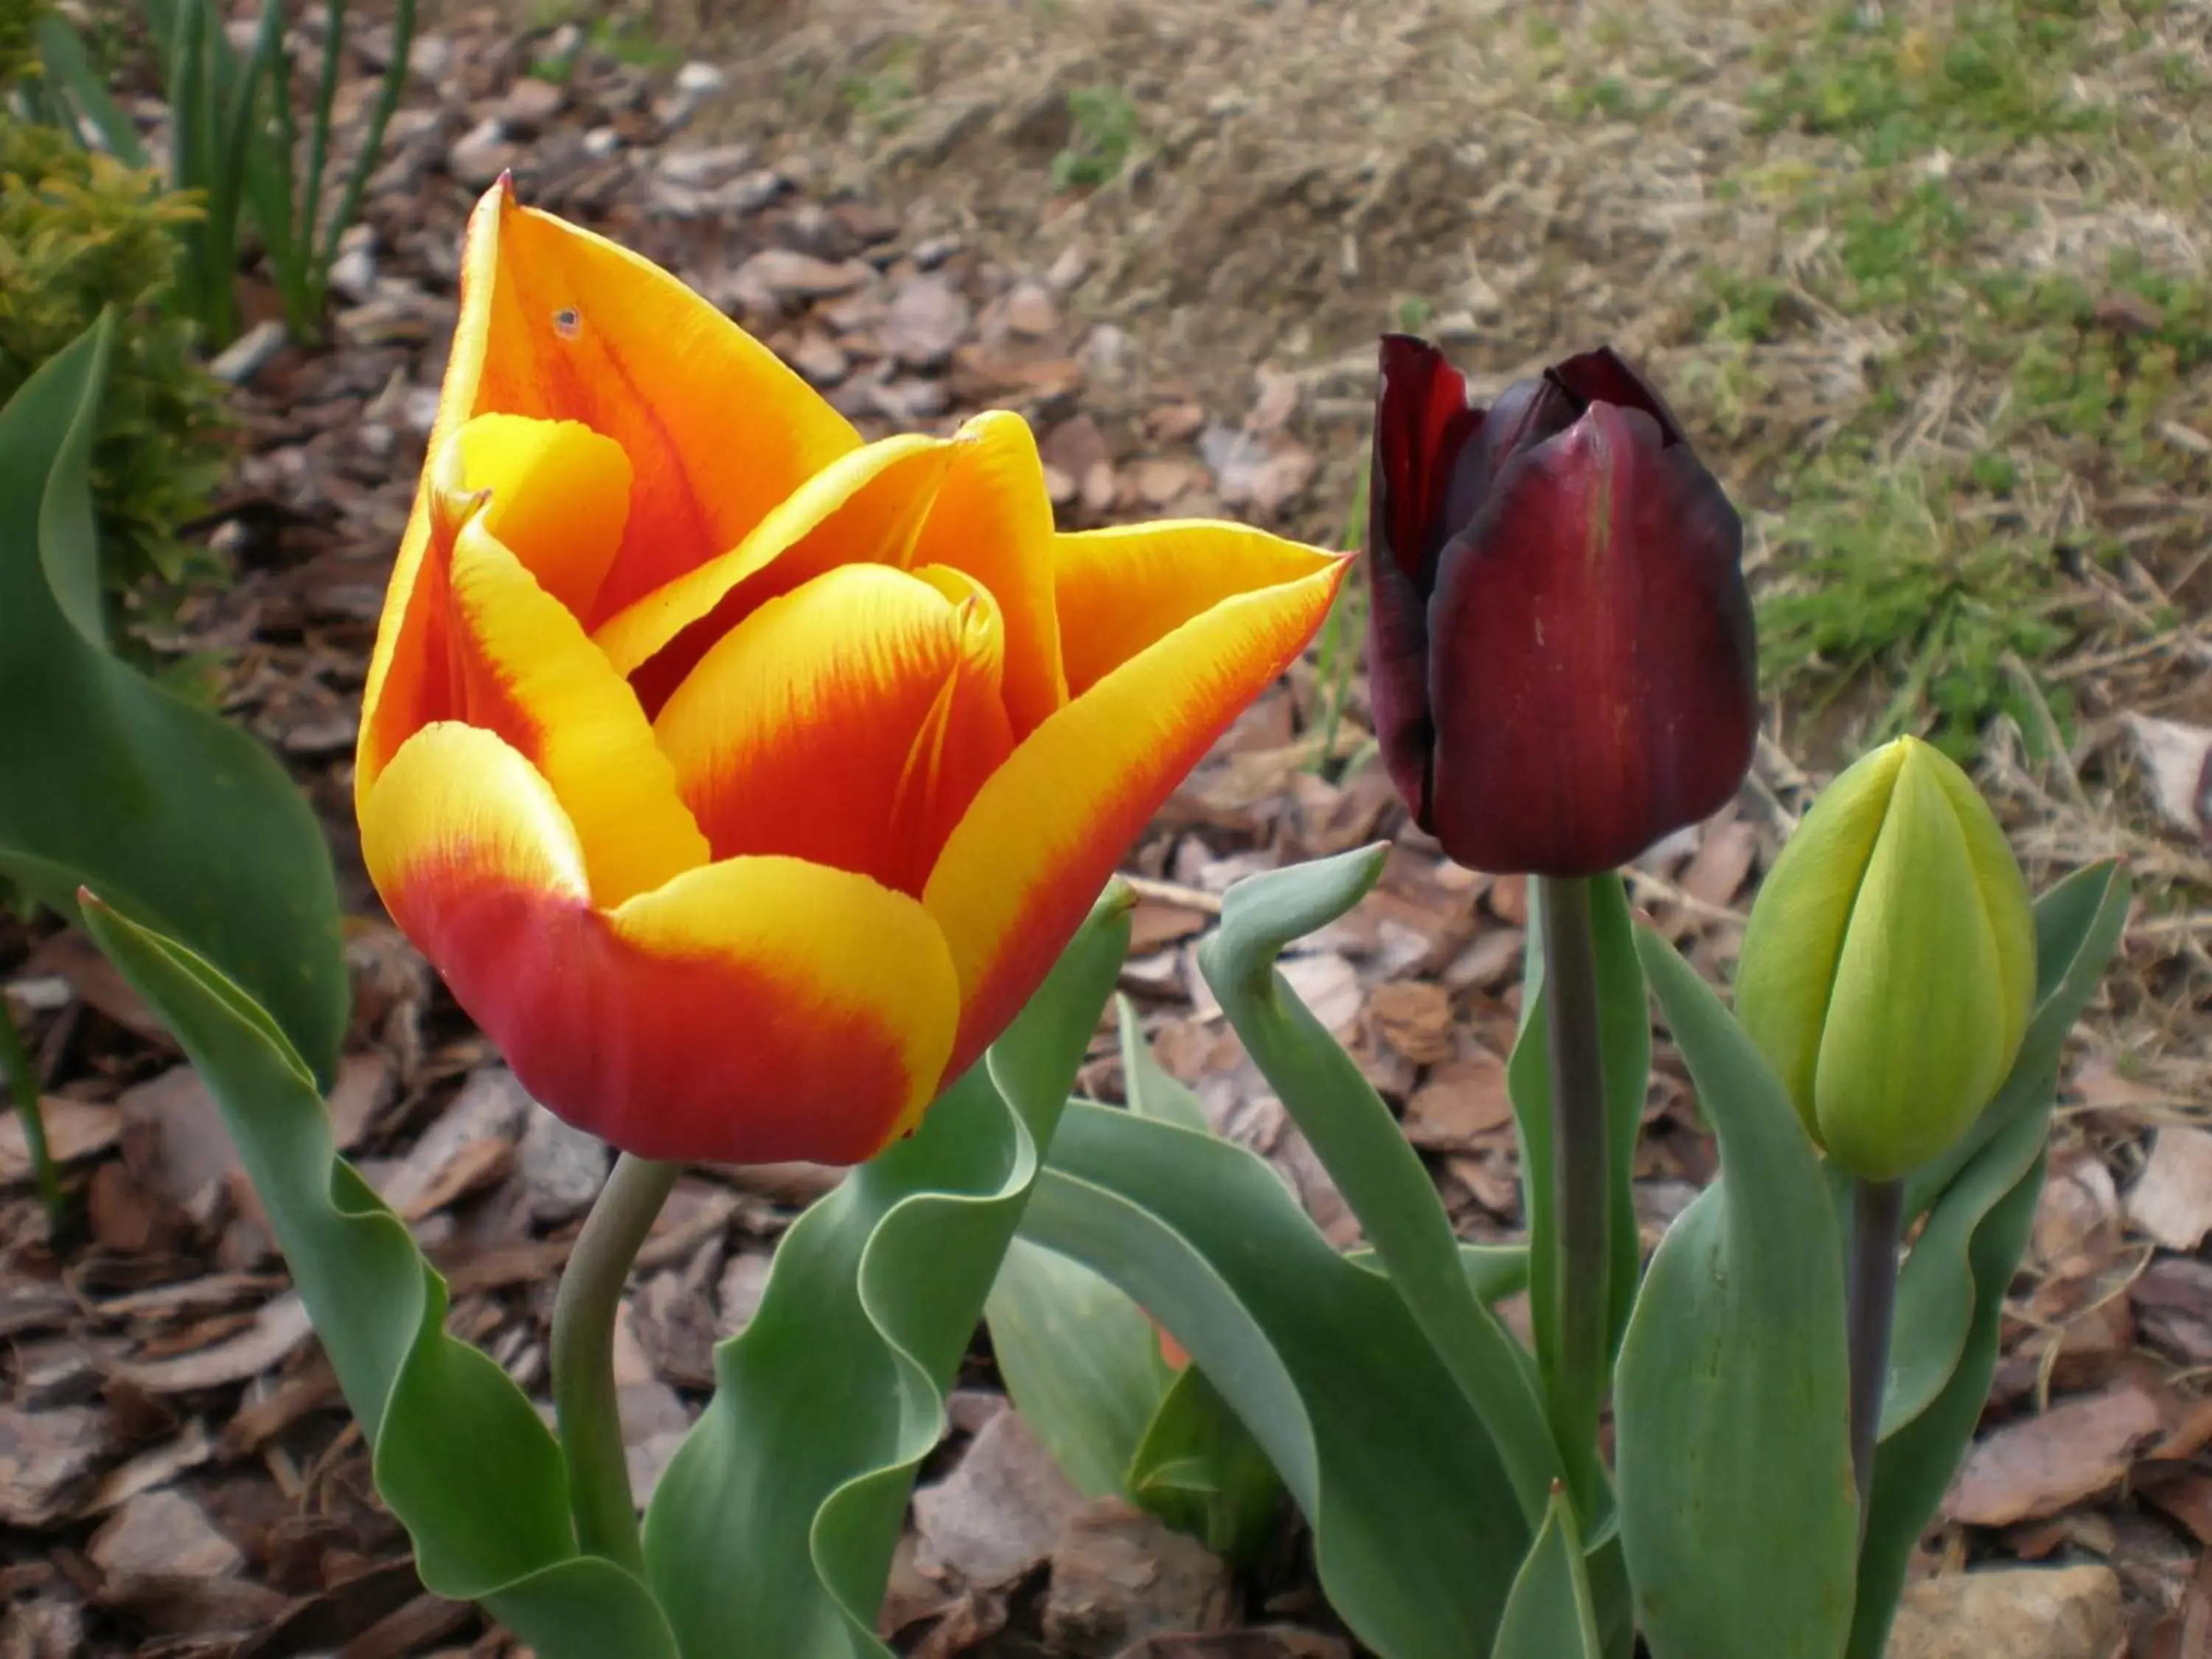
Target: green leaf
point(1914, 1467)
point(770, 1535)
point(1549, 1615)
point(1737, 1511)
point(1359, 1142)
point(460, 1455)
point(62, 54)
point(1151, 1091)
point(1937, 1291)
point(1416, 1528)
point(112, 782)
point(1625, 1044)
point(1199, 1469)
point(1080, 1362)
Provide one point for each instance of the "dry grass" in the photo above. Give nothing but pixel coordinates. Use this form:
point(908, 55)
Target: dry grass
point(1933, 283)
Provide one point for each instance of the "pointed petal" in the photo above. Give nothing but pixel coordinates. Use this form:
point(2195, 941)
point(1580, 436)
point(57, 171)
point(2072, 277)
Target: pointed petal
point(559, 497)
point(865, 507)
point(1787, 968)
point(558, 324)
point(1422, 422)
point(1909, 1054)
point(993, 519)
point(1123, 590)
point(520, 666)
point(1594, 673)
point(1604, 376)
point(848, 723)
point(750, 1011)
point(1046, 831)
point(1397, 659)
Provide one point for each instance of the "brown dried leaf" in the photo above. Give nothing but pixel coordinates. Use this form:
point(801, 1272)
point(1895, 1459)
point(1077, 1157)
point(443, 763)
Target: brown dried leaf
point(998, 1512)
point(46, 1461)
point(1414, 1018)
point(277, 1330)
point(2072, 1452)
point(1120, 1576)
point(1463, 1103)
point(74, 1129)
point(2173, 1199)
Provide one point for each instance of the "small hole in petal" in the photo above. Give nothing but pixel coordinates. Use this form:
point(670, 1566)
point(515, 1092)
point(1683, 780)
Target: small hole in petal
point(567, 323)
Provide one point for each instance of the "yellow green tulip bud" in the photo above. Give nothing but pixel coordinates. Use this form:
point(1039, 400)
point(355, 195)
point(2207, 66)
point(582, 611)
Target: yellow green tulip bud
point(1888, 968)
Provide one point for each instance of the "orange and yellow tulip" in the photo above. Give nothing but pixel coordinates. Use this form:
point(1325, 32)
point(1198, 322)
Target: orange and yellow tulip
point(742, 779)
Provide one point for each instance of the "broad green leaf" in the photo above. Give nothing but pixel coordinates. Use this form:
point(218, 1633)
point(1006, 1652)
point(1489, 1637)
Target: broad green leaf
point(1416, 1528)
point(459, 1453)
point(1914, 1467)
point(1549, 1615)
point(1624, 1042)
point(770, 1535)
point(1731, 1407)
point(1199, 1469)
point(1359, 1142)
point(1080, 1362)
point(109, 782)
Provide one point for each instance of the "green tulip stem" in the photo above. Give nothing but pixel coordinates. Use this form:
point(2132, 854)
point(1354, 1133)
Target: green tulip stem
point(23, 1088)
point(584, 1402)
point(1581, 1179)
point(1877, 1224)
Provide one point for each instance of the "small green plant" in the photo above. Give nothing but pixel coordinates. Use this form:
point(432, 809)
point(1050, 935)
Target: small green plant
point(629, 40)
point(880, 98)
point(81, 234)
point(237, 140)
point(19, 40)
point(1102, 129)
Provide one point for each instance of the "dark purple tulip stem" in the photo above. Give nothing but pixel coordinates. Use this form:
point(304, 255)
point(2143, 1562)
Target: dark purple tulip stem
point(1877, 1224)
point(1581, 1179)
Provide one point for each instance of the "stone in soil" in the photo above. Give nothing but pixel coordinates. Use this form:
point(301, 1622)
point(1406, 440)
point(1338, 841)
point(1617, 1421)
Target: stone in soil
point(2019, 1612)
point(927, 318)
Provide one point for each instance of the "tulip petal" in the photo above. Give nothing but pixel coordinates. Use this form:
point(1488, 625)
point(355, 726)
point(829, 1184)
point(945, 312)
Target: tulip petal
point(848, 723)
point(1907, 1056)
point(2005, 898)
point(865, 507)
point(558, 324)
point(559, 496)
point(1604, 376)
point(748, 1012)
point(1049, 828)
point(1600, 688)
point(531, 675)
point(993, 519)
point(1796, 930)
point(1421, 422)
point(1121, 591)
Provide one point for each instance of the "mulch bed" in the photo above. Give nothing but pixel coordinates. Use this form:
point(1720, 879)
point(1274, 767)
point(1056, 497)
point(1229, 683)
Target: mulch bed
point(178, 1476)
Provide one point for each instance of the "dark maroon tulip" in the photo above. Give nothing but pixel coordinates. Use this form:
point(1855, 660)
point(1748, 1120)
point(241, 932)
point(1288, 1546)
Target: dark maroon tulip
point(1559, 650)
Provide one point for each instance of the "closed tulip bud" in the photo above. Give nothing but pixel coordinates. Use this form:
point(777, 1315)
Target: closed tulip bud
point(1561, 653)
point(1888, 969)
